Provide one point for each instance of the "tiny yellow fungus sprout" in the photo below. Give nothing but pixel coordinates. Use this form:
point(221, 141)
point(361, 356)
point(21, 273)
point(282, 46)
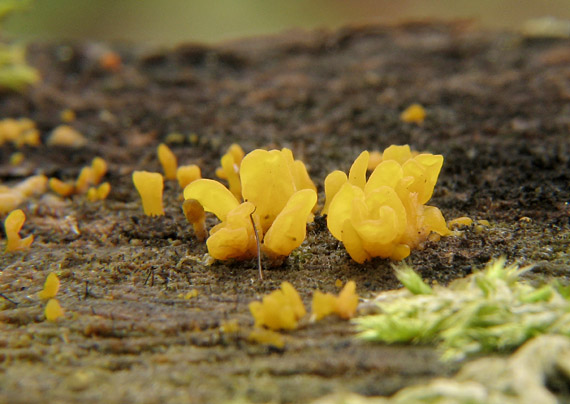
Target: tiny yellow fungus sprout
point(16, 158)
point(51, 287)
point(61, 188)
point(174, 138)
point(374, 160)
point(386, 215)
point(12, 225)
point(19, 131)
point(236, 153)
point(266, 337)
point(66, 136)
point(10, 198)
point(193, 293)
point(167, 161)
point(67, 115)
point(415, 113)
point(344, 305)
point(99, 193)
point(53, 310)
point(99, 167)
point(85, 179)
point(280, 310)
point(196, 215)
point(229, 327)
point(462, 221)
point(187, 174)
point(150, 186)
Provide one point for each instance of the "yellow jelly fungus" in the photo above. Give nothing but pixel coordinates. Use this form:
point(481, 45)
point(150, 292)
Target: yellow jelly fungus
point(289, 228)
point(333, 182)
point(213, 196)
point(99, 169)
point(483, 222)
point(195, 214)
point(460, 222)
point(193, 293)
point(51, 287)
point(9, 200)
point(19, 131)
point(53, 310)
point(231, 174)
point(67, 115)
point(414, 113)
point(12, 226)
point(374, 160)
point(266, 337)
point(150, 186)
point(167, 161)
point(386, 216)
point(344, 305)
point(85, 179)
point(34, 185)
point(66, 136)
point(16, 158)
point(99, 193)
point(235, 237)
point(187, 174)
point(61, 188)
point(174, 138)
point(357, 173)
point(229, 327)
point(280, 310)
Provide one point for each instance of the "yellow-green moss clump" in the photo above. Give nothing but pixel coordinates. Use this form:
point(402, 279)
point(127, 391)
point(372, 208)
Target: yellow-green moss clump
point(278, 199)
point(385, 216)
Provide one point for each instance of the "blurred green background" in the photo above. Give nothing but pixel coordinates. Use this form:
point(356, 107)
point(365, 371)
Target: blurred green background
point(173, 21)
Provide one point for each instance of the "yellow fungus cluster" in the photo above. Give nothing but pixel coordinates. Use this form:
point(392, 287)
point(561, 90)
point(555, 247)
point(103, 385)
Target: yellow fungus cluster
point(87, 180)
point(12, 226)
point(12, 197)
point(150, 186)
point(53, 310)
point(384, 216)
point(280, 310)
point(279, 198)
point(344, 305)
point(415, 113)
point(19, 132)
point(66, 136)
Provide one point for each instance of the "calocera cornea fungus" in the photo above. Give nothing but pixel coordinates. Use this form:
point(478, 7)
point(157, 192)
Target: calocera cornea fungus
point(230, 168)
point(415, 113)
point(150, 186)
point(168, 161)
point(344, 305)
point(386, 216)
point(12, 226)
point(187, 174)
point(88, 177)
point(280, 310)
point(196, 215)
point(51, 287)
point(53, 310)
point(279, 198)
point(98, 193)
point(12, 197)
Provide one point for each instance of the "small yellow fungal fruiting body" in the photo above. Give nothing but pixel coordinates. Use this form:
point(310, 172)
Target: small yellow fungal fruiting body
point(266, 337)
point(460, 222)
point(9, 200)
point(385, 216)
point(16, 158)
point(61, 188)
point(99, 167)
point(51, 287)
point(150, 186)
point(196, 215)
point(53, 310)
point(85, 179)
point(344, 305)
point(333, 182)
point(187, 174)
point(414, 113)
point(34, 185)
point(168, 161)
point(99, 193)
point(19, 131)
point(280, 310)
point(12, 226)
point(65, 135)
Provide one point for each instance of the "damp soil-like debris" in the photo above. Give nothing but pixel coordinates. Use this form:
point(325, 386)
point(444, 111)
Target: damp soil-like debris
point(498, 110)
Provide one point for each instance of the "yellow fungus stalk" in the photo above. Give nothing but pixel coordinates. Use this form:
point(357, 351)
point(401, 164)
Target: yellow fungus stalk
point(100, 193)
point(61, 188)
point(415, 113)
point(150, 186)
point(188, 174)
point(168, 161)
point(196, 215)
point(51, 287)
point(85, 179)
point(12, 226)
point(66, 136)
point(99, 169)
point(280, 310)
point(53, 310)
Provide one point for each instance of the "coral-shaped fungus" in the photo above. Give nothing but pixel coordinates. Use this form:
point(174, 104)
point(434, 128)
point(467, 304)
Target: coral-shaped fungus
point(279, 198)
point(385, 216)
point(12, 226)
point(150, 187)
point(280, 310)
